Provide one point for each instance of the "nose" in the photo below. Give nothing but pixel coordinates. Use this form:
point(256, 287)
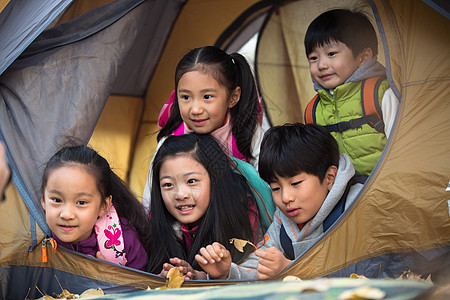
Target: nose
point(182, 193)
point(68, 212)
point(287, 196)
point(197, 107)
point(322, 63)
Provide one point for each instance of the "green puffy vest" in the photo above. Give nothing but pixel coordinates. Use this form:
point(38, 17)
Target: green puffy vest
point(363, 145)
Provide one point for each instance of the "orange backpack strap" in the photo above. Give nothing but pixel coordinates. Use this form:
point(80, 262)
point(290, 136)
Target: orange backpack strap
point(370, 103)
point(310, 111)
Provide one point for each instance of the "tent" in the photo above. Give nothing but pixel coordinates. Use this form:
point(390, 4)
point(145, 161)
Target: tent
point(99, 71)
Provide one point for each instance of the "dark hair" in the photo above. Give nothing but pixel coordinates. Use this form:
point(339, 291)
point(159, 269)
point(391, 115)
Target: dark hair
point(226, 216)
point(352, 28)
point(108, 183)
point(230, 71)
point(291, 149)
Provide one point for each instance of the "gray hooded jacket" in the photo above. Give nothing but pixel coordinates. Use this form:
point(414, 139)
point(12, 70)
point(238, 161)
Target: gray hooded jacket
point(247, 269)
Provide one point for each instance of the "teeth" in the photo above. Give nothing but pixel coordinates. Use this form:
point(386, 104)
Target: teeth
point(186, 207)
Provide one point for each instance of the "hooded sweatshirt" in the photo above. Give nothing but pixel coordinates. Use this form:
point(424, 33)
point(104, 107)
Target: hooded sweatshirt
point(313, 229)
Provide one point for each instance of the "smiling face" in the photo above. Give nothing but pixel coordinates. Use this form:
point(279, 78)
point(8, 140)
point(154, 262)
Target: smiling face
point(300, 197)
point(332, 64)
point(185, 189)
point(72, 203)
point(203, 102)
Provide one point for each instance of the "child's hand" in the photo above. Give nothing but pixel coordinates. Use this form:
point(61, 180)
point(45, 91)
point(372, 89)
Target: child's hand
point(215, 259)
point(271, 262)
point(100, 256)
point(184, 268)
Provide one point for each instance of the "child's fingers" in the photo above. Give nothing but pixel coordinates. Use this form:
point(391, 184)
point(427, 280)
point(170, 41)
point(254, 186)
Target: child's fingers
point(207, 255)
point(100, 256)
point(167, 267)
point(176, 261)
point(201, 260)
point(215, 253)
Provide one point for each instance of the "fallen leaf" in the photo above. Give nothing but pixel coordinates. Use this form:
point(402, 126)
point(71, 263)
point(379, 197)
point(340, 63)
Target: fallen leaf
point(175, 279)
point(92, 292)
point(362, 293)
point(354, 275)
point(291, 278)
point(410, 275)
point(240, 244)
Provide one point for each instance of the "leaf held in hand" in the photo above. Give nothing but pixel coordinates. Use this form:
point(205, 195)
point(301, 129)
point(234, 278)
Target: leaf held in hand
point(175, 279)
point(240, 244)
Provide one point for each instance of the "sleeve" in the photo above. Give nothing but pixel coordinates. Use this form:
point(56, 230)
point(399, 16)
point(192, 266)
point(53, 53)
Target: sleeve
point(247, 269)
point(389, 106)
point(256, 146)
point(135, 253)
point(148, 183)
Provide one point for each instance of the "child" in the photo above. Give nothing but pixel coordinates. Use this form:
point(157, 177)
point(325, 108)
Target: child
point(214, 93)
point(197, 199)
point(80, 192)
point(341, 47)
point(310, 183)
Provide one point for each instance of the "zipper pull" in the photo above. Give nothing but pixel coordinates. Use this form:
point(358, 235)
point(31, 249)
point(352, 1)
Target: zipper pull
point(44, 248)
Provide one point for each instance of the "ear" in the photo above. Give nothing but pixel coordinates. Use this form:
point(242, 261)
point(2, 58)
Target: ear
point(105, 207)
point(235, 96)
point(365, 56)
point(330, 176)
point(43, 202)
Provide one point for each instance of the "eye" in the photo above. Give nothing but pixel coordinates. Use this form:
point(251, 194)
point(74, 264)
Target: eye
point(56, 200)
point(166, 185)
point(296, 183)
point(312, 58)
point(185, 97)
point(192, 181)
point(82, 202)
point(207, 97)
point(274, 188)
point(332, 53)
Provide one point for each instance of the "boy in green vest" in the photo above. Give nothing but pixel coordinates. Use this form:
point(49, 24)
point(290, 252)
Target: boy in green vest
point(354, 98)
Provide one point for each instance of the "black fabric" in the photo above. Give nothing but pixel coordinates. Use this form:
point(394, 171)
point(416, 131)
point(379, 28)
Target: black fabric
point(286, 243)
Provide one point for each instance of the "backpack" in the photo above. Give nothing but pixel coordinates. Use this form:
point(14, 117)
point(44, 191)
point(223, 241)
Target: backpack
point(260, 190)
point(370, 105)
point(337, 211)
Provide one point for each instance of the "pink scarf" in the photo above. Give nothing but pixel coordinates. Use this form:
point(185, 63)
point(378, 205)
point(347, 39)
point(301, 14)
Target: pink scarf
point(110, 237)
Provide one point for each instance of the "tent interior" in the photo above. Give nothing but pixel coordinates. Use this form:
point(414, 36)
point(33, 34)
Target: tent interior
point(99, 71)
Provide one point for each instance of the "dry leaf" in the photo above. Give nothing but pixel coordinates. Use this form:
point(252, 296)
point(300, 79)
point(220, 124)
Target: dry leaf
point(240, 244)
point(354, 275)
point(361, 293)
point(410, 275)
point(291, 278)
point(92, 292)
point(175, 279)
point(65, 295)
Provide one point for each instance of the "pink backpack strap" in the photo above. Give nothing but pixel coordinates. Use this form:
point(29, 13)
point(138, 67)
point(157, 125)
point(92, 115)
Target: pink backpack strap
point(110, 237)
point(236, 153)
point(165, 111)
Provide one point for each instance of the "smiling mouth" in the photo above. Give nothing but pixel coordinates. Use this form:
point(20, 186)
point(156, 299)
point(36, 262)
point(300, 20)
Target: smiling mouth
point(185, 207)
point(67, 227)
point(199, 122)
point(325, 76)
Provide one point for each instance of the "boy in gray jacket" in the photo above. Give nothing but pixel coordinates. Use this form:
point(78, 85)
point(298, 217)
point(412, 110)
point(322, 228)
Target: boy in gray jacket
point(311, 186)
